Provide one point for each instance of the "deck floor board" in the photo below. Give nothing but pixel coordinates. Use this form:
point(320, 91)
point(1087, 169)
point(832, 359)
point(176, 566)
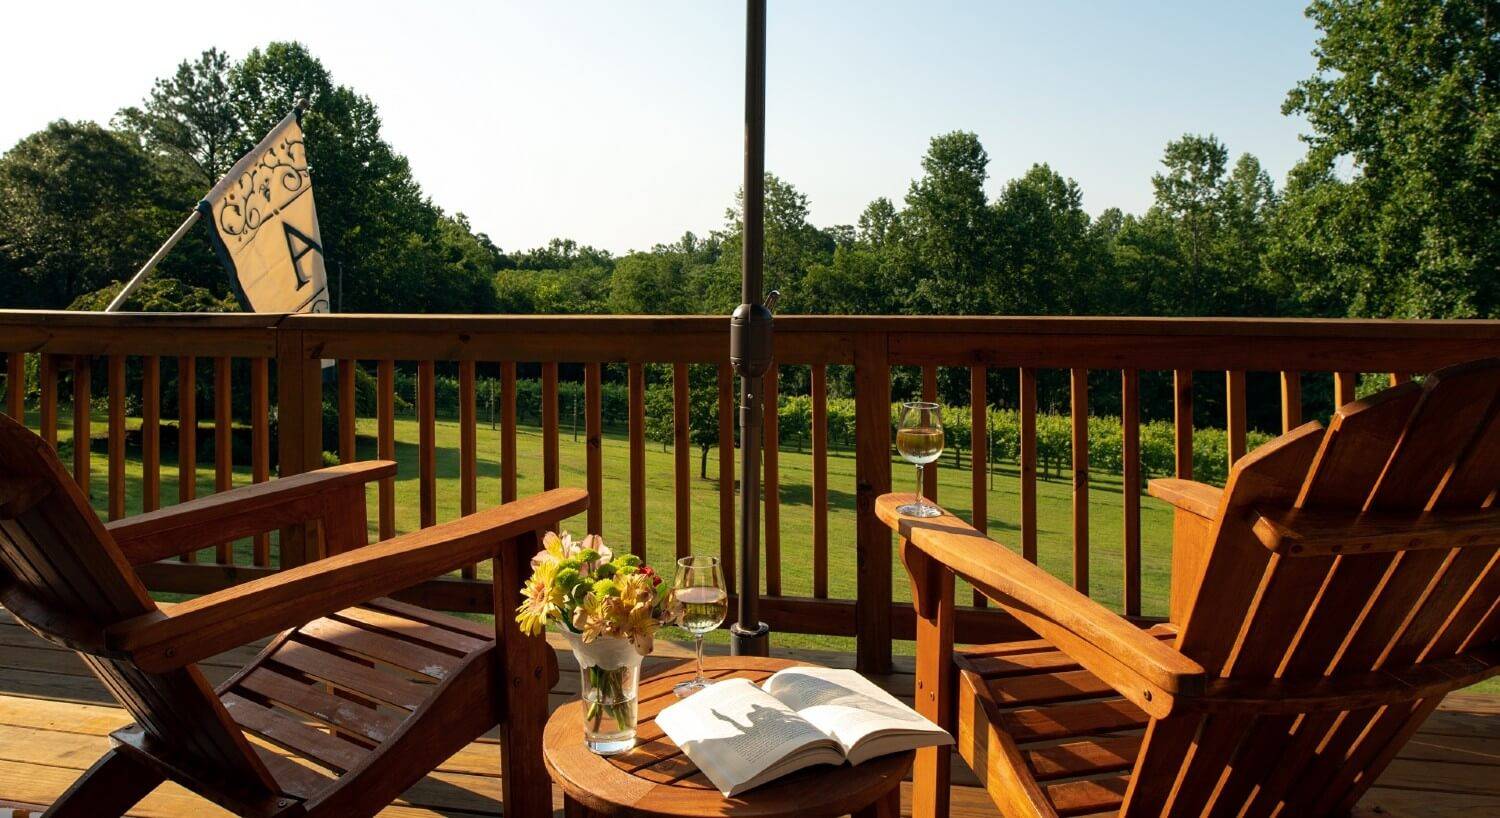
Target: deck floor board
point(54, 718)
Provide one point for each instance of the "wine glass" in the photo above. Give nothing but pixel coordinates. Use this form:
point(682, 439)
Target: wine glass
point(702, 603)
point(919, 439)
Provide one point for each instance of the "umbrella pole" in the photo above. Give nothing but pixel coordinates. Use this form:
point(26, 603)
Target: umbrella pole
point(750, 341)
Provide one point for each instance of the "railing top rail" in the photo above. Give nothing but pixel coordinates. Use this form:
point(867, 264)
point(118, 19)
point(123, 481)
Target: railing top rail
point(944, 324)
point(1297, 344)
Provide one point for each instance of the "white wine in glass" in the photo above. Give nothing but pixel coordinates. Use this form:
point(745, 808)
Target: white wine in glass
point(919, 439)
point(702, 604)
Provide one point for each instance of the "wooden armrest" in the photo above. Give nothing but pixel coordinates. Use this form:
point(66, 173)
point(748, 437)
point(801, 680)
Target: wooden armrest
point(1325, 533)
point(239, 512)
point(1187, 495)
point(213, 623)
point(1138, 665)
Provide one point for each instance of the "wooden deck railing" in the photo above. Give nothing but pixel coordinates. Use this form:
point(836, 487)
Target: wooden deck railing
point(284, 355)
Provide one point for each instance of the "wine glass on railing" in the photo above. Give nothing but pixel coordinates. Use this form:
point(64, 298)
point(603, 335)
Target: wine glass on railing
point(702, 602)
point(919, 439)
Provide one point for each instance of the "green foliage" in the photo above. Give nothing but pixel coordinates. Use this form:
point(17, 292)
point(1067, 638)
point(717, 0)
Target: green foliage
point(1393, 210)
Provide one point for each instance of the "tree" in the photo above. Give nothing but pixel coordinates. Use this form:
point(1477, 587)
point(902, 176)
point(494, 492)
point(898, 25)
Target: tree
point(82, 207)
point(946, 229)
point(192, 117)
point(792, 244)
point(1393, 211)
point(1045, 260)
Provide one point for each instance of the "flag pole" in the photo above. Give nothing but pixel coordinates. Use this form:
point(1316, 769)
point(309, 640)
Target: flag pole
point(140, 276)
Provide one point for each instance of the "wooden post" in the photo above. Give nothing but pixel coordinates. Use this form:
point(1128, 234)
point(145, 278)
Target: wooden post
point(260, 444)
point(1234, 413)
point(1027, 417)
point(820, 480)
point(81, 416)
point(508, 465)
point(15, 386)
point(1080, 423)
point(528, 671)
point(299, 412)
point(771, 488)
point(979, 451)
point(150, 433)
point(550, 478)
point(1130, 489)
point(594, 428)
point(427, 443)
point(223, 443)
point(726, 473)
point(347, 411)
point(116, 437)
point(638, 460)
point(385, 437)
point(682, 468)
point(1291, 401)
point(1182, 407)
point(46, 374)
point(936, 684)
point(872, 412)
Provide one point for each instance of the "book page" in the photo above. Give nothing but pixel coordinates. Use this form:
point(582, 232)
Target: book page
point(851, 708)
point(734, 731)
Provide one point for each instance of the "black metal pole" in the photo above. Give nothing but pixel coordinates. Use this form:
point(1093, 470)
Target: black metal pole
point(750, 341)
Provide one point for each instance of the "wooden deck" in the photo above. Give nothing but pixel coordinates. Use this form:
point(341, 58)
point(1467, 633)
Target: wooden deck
point(54, 718)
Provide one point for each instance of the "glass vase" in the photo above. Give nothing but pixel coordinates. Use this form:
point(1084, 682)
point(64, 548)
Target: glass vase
point(610, 670)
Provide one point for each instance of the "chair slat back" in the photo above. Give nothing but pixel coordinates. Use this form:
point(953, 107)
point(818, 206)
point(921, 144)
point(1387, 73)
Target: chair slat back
point(57, 557)
point(1288, 619)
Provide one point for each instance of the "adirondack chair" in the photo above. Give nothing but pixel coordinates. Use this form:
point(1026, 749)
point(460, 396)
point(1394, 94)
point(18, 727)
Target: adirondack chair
point(1324, 602)
point(355, 697)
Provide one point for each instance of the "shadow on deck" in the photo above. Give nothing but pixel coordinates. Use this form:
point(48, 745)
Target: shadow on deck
point(54, 719)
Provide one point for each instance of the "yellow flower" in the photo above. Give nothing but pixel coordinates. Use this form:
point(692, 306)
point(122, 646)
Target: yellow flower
point(542, 600)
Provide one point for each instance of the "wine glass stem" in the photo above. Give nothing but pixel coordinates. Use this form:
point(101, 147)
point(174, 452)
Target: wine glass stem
point(921, 504)
point(698, 646)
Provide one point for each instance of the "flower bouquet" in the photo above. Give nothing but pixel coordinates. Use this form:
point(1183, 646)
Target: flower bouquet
point(609, 609)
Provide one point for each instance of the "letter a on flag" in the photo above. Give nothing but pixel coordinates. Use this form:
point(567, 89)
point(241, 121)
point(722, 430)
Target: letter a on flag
point(265, 226)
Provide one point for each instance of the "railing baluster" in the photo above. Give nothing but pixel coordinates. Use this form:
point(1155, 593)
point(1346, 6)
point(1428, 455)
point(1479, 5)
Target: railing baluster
point(81, 418)
point(819, 480)
point(682, 465)
point(929, 393)
point(637, 413)
point(1027, 417)
point(347, 412)
point(385, 435)
point(1343, 387)
point(223, 444)
point(508, 465)
point(1291, 401)
point(116, 463)
point(1182, 419)
point(1398, 378)
point(260, 445)
point(726, 473)
point(549, 426)
point(872, 465)
point(1080, 423)
point(771, 490)
point(1130, 488)
point(468, 449)
point(427, 442)
point(979, 437)
point(47, 402)
point(1234, 413)
point(151, 433)
point(187, 435)
point(594, 432)
point(15, 386)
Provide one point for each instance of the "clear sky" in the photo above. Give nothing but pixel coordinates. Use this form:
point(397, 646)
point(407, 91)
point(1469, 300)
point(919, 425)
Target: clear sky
point(620, 124)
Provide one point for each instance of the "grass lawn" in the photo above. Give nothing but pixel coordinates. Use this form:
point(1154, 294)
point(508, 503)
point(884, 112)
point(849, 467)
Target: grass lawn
point(1054, 510)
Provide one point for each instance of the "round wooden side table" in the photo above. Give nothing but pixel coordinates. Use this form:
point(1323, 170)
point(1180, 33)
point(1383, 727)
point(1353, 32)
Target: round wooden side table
point(656, 779)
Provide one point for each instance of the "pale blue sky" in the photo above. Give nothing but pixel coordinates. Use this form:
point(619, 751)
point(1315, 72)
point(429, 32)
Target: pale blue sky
point(620, 123)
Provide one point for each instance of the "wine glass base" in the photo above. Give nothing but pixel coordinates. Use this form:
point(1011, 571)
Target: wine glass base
point(914, 510)
point(688, 688)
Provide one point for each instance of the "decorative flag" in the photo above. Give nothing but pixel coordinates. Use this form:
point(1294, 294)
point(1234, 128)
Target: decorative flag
point(265, 226)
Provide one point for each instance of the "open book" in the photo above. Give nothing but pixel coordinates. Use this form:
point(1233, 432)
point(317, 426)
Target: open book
point(742, 735)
